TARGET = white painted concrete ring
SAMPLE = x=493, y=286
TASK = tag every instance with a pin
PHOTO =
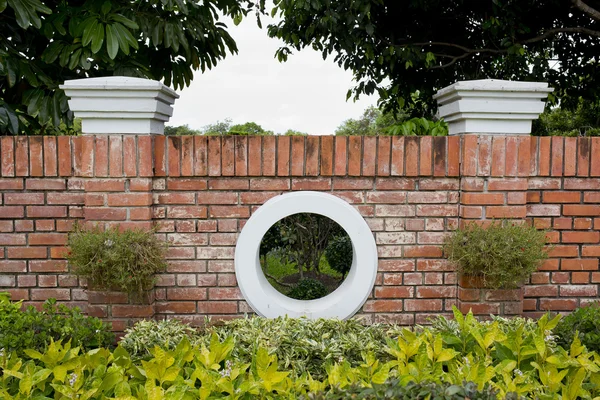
x=343, y=302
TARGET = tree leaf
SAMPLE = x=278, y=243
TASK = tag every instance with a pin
x=97, y=38
x=112, y=43
x=89, y=29
x=21, y=13
x=125, y=21
x=3, y=4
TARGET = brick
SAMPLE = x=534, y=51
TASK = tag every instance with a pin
x=195, y=294
x=591, y=197
x=176, y=198
x=396, y=265
x=180, y=307
x=187, y=212
x=394, y=210
x=27, y=252
x=45, y=294
x=7, y=281
x=468, y=184
x=217, y=198
x=436, y=292
x=45, y=184
x=540, y=291
x=105, y=214
x=188, y=239
x=580, y=237
x=386, y=197
x=581, y=210
x=229, y=212
x=223, y=239
x=383, y=306
x=65, y=198
x=434, y=265
x=105, y=185
x=22, y=155
x=268, y=155
x=8, y=156
x=585, y=264
x=12, y=239
x=11, y=212
x=188, y=184
x=257, y=197
x=225, y=294
x=270, y=184
x=8, y=266
x=218, y=307
x=37, y=266
x=53, y=239
x=383, y=155
x=422, y=251
x=397, y=162
x=411, y=146
x=561, y=197
x=24, y=226
x=129, y=199
x=431, y=237
x=481, y=198
x=47, y=281
x=437, y=210
x=583, y=223
x=506, y=212
x=297, y=158
x=581, y=183
x=590, y=251
x=427, y=197
x=395, y=238
x=311, y=166
x=354, y=155
x=215, y=253
x=543, y=210
x=318, y=184
x=558, y=304
x=578, y=290
x=508, y=184
x=186, y=280
x=423, y=305
x=283, y=155
x=227, y=225
x=132, y=311
x=570, y=156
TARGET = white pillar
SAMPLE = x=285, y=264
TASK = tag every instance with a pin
x=491, y=106
x=120, y=105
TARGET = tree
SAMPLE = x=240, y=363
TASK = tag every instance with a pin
x=44, y=42
x=181, y=130
x=398, y=47
x=249, y=128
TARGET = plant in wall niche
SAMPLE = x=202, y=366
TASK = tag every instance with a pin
x=504, y=254
x=112, y=260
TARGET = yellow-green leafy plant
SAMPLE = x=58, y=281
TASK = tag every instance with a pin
x=113, y=260
x=503, y=254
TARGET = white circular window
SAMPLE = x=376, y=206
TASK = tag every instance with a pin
x=342, y=303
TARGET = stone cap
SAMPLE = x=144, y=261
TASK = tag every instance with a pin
x=120, y=104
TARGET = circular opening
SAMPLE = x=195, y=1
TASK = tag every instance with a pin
x=343, y=302
x=306, y=256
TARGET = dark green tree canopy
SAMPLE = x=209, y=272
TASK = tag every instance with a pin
x=398, y=47
x=45, y=42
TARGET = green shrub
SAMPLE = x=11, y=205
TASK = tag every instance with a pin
x=32, y=329
x=144, y=335
x=392, y=389
x=339, y=254
x=515, y=364
x=308, y=289
x=112, y=260
x=504, y=254
x=583, y=323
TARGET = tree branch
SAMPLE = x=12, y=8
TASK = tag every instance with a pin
x=592, y=12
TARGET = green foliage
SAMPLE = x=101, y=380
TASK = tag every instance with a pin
x=181, y=130
x=247, y=365
x=218, y=128
x=112, y=260
x=32, y=329
x=504, y=254
x=44, y=43
x=583, y=323
x=308, y=289
x=375, y=122
x=339, y=254
x=584, y=120
x=392, y=389
x=441, y=42
x=292, y=132
x=249, y=128
x=140, y=339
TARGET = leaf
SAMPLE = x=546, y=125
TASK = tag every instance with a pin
x=88, y=30
x=106, y=6
x=2, y=5
x=112, y=43
x=97, y=38
x=21, y=13
x=125, y=21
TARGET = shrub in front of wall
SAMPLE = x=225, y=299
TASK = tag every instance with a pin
x=144, y=335
x=504, y=254
x=33, y=329
x=308, y=289
x=111, y=260
x=583, y=323
x=393, y=390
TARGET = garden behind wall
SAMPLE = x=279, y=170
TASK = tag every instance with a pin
x=199, y=191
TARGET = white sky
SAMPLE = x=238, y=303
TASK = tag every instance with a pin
x=305, y=93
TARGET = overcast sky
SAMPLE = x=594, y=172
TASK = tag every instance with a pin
x=305, y=93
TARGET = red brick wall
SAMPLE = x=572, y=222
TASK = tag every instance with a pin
x=199, y=191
